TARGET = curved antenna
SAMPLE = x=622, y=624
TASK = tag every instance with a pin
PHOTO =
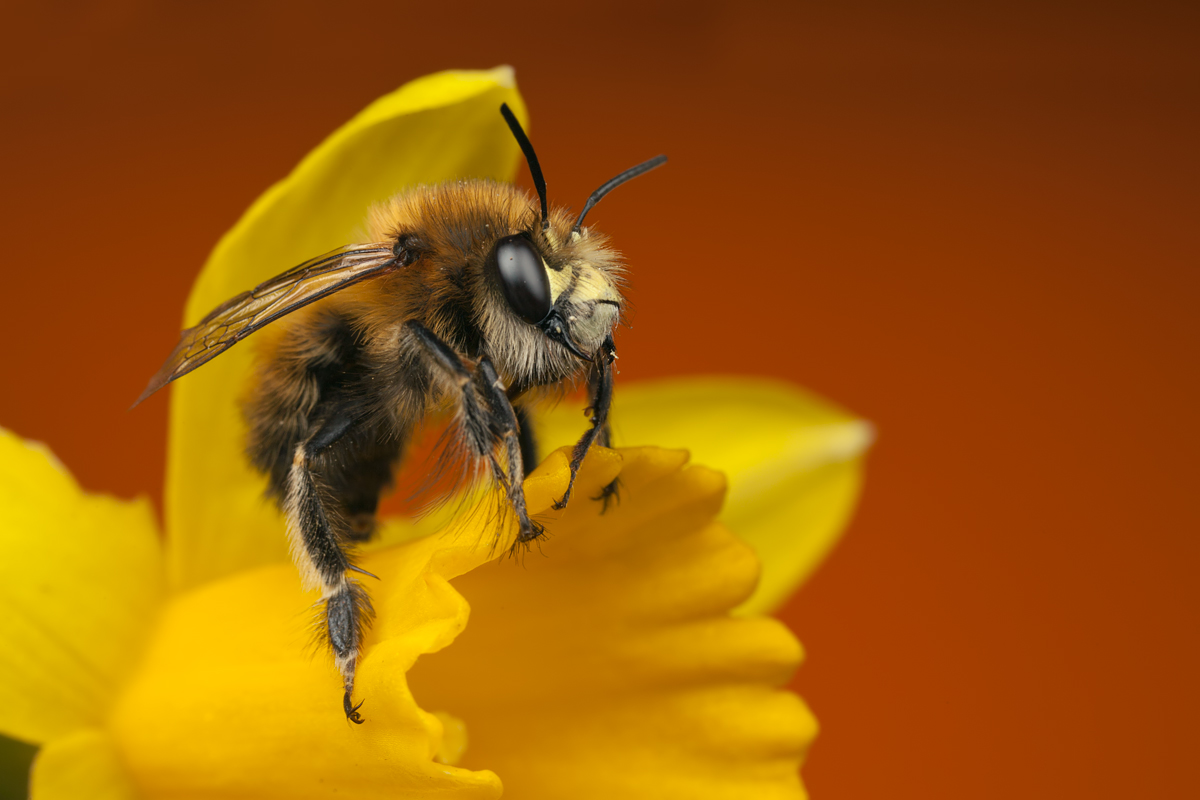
x=535, y=169
x=628, y=174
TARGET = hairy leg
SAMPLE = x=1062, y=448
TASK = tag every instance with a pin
x=529, y=446
x=601, y=384
x=505, y=426
x=487, y=421
x=318, y=530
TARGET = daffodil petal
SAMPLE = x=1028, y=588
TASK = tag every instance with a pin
x=234, y=700
x=84, y=764
x=610, y=666
x=794, y=462
x=606, y=664
x=439, y=128
x=80, y=579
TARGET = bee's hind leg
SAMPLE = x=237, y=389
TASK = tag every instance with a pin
x=489, y=425
x=316, y=529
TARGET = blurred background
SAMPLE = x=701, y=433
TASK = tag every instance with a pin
x=973, y=224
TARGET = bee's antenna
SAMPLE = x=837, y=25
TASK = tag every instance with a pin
x=535, y=169
x=628, y=174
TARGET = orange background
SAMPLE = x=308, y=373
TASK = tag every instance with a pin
x=977, y=228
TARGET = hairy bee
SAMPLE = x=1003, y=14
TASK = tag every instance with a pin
x=469, y=294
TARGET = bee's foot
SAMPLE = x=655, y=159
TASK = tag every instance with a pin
x=610, y=494
x=535, y=531
x=352, y=711
x=529, y=534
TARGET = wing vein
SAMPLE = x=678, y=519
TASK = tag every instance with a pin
x=240, y=316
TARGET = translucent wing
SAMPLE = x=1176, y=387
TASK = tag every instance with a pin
x=241, y=316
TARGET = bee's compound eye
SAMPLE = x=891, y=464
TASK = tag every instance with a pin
x=522, y=277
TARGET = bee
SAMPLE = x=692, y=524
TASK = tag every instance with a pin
x=468, y=295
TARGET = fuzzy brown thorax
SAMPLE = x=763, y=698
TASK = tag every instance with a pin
x=452, y=229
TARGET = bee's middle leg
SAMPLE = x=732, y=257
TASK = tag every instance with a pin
x=529, y=444
x=488, y=426
x=507, y=429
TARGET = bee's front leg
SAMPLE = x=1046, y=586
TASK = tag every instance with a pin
x=601, y=390
x=488, y=426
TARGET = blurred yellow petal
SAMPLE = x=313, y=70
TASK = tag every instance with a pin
x=794, y=461
x=82, y=765
x=442, y=127
x=80, y=580
x=606, y=664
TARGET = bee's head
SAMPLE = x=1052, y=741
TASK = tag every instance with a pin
x=573, y=300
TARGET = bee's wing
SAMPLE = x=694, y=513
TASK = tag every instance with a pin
x=241, y=316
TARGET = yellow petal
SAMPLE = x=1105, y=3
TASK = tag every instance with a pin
x=610, y=665
x=84, y=764
x=794, y=462
x=439, y=128
x=605, y=664
x=234, y=700
x=80, y=582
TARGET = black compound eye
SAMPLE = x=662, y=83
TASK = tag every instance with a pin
x=522, y=277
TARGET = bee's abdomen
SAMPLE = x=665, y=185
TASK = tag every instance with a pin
x=312, y=384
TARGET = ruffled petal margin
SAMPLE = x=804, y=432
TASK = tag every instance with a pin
x=794, y=462
x=606, y=664
x=438, y=128
x=609, y=667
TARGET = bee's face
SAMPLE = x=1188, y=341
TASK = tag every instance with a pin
x=586, y=298
x=569, y=296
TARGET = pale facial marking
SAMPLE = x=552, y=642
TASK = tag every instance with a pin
x=559, y=281
x=590, y=284
x=589, y=319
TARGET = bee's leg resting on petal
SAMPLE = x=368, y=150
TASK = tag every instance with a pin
x=600, y=382
x=352, y=710
x=346, y=612
x=609, y=495
x=488, y=423
x=316, y=529
x=506, y=432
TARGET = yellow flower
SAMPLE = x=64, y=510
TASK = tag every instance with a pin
x=180, y=667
